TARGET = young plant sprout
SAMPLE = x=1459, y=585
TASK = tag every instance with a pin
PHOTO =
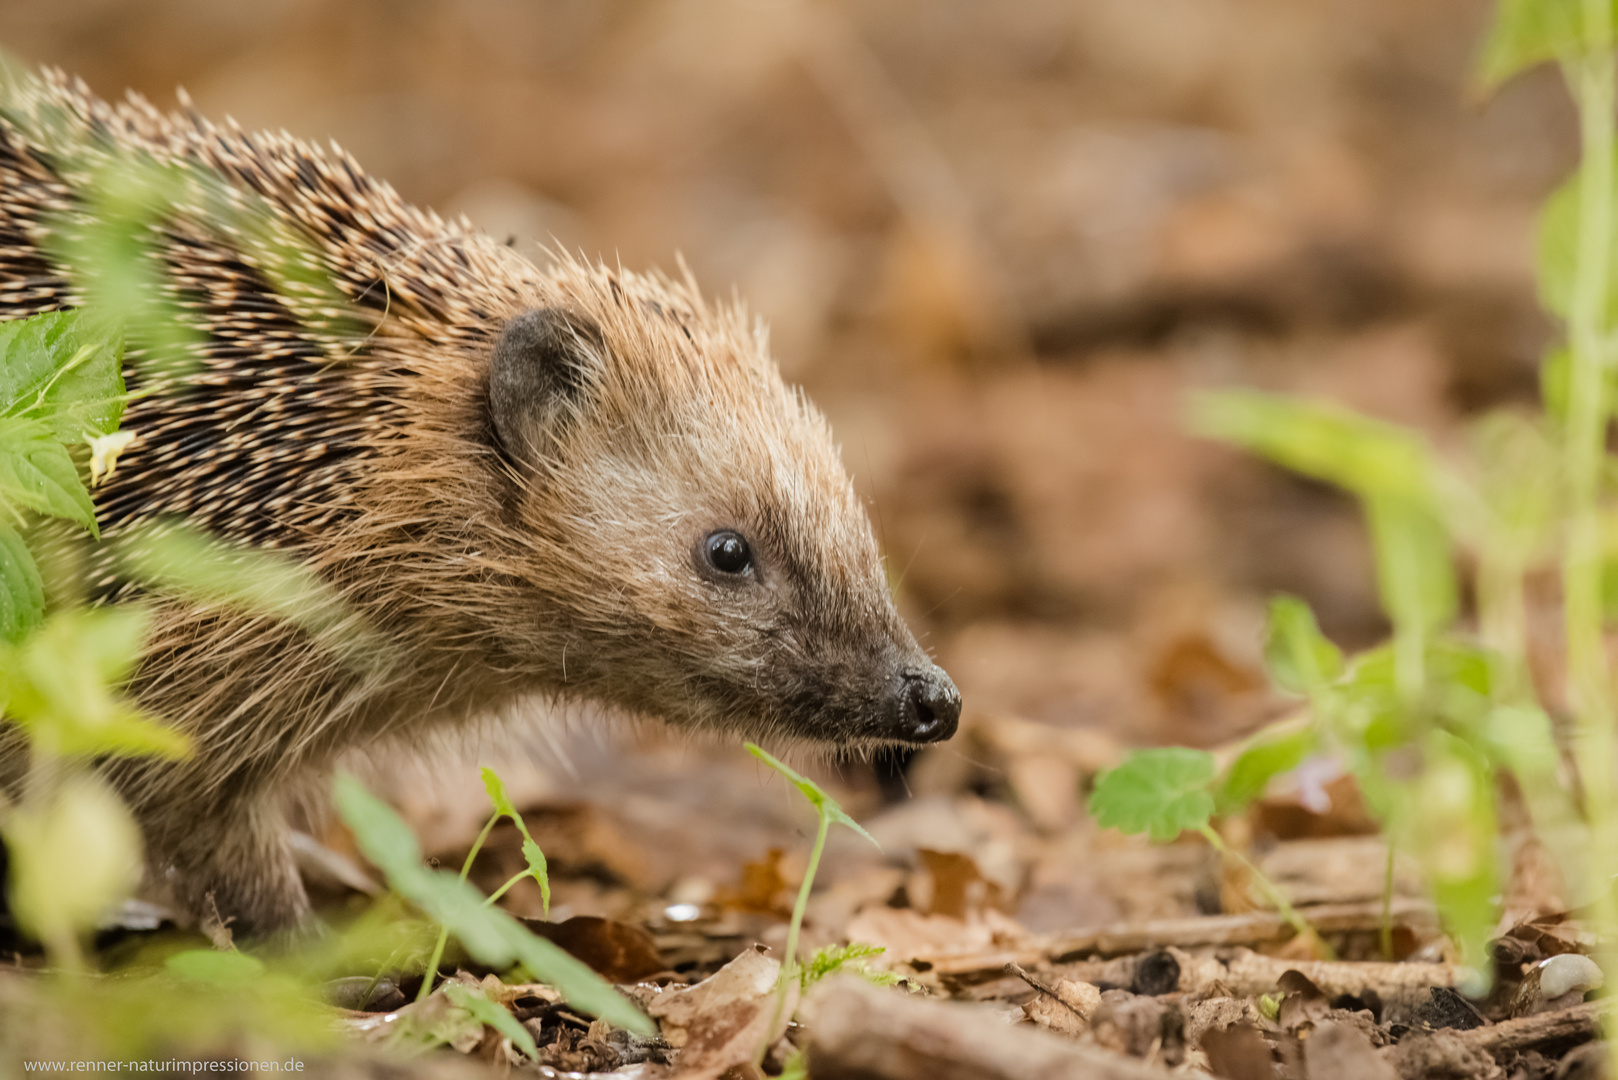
x=489, y=934
x=827, y=813
x=536, y=866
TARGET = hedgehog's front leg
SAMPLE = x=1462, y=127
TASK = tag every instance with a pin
x=228, y=852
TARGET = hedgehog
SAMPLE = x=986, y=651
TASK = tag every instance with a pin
x=572, y=483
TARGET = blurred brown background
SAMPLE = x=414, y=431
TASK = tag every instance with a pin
x=998, y=242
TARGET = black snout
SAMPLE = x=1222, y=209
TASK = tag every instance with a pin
x=929, y=706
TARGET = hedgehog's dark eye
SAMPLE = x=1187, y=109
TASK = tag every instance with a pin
x=728, y=553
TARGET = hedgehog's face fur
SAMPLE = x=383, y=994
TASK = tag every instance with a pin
x=693, y=544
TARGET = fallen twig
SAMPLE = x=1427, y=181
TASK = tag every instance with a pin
x=866, y=1031
x=1251, y=928
x=1575, y=1024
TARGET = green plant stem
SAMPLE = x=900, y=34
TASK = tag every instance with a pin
x=1592, y=81
x=1503, y=619
x=443, y=931
x=789, y=961
x=502, y=890
x=1283, y=906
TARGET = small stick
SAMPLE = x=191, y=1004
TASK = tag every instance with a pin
x=1576, y=1024
x=1044, y=988
x=1119, y=939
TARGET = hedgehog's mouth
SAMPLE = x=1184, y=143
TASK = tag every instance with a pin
x=914, y=705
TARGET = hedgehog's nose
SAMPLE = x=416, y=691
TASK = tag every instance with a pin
x=929, y=705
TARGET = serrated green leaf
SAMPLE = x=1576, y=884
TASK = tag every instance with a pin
x=1159, y=792
x=229, y=968
x=1298, y=656
x=830, y=959
x=495, y=1015
x=56, y=370
x=1266, y=756
x=501, y=801
x=1529, y=32
x=497, y=794
x=538, y=870
x=36, y=472
x=823, y=803
x=22, y=592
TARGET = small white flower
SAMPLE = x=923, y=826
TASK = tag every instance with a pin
x=104, y=451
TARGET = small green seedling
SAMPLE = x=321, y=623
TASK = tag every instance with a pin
x=1165, y=792
x=831, y=959
x=489, y=934
x=828, y=813
x=503, y=807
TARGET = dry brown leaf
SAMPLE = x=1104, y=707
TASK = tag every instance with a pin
x=1069, y=1013
x=1339, y=1049
x=723, y=1020
x=1238, y=1052
x=763, y=890
x=906, y=933
x=618, y=952
x=958, y=887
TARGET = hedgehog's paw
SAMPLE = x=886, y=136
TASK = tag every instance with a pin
x=232, y=871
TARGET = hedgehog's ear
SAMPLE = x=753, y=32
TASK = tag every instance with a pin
x=542, y=369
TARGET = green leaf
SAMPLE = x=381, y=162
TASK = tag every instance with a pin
x=71, y=857
x=580, y=986
x=1560, y=230
x=180, y=558
x=497, y=795
x=60, y=687
x=1555, y=375
x=212, y=966
x=55, y=369
x=1518, y=739
x=538, y=871
x=493, y=1014
x=381, y=835
x=1158, y=792
x=535, y=857
x=1322, y=440
x=1415, y=574
x=1266, y=756
x=1390, y=468
x=22, y=593
x=36, y=472
x=1299, y=657
x=830, y=959
x=488, y=934
x=1529, y=32
x=1444, y=815
x=823, y=803
x=118, y=267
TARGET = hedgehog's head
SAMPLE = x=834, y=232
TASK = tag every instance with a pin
x=694, y=545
